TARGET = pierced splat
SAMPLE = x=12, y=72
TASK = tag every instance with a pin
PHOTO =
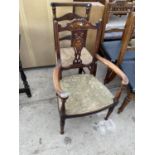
x=78, y=42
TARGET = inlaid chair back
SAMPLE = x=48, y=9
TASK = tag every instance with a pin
x=118, y=8
x=79, y=56
x=65, y=37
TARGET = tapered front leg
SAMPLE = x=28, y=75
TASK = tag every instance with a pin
x=109, y=112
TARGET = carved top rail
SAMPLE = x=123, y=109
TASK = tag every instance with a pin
x=77, y=24
x=70, y=16
x=71, y=4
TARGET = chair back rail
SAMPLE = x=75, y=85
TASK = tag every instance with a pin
x=71, y=16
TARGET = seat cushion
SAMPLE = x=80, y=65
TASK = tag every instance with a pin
x=128, y=68
x=87, y=94
x=68, y=55
x=112, y=49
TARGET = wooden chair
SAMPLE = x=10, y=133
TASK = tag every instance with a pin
x=118, y=51
x=119, y=9
x=81, y=94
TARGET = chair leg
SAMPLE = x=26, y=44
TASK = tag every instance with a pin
x=28, y=92
x=109, y=112
x=109, y=76
x=125, y=102
x=26, y=88
x=94, y=69
x=62, y=125
x=80, y=70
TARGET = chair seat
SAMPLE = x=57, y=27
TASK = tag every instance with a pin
x=68, y=56
x=128, y=68
x=112, y=49
x=87, y=94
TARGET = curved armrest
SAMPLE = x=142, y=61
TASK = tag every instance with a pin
x=56, y=82
x=113, y=67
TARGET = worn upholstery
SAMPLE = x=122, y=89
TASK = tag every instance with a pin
x=87, y=94
x=112, y=49
x=128, y=68
x=68, y=55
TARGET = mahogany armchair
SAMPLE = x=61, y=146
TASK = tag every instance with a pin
x=74, y=93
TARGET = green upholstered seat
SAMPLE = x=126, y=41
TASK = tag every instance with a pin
x=86, y=94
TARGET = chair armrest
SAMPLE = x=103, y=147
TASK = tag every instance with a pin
x=113, y=67
x=56, y=82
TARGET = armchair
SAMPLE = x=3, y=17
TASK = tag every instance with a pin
x=74, y=92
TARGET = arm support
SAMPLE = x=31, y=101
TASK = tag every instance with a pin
x=114, y=68
x=56, y=82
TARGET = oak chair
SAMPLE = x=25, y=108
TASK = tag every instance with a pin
x=118, y=51
x=81, y=94
x=115, y=8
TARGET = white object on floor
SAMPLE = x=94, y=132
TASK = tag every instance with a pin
x=104, y=126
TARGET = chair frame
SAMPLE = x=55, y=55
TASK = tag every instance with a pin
x=79, y=27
